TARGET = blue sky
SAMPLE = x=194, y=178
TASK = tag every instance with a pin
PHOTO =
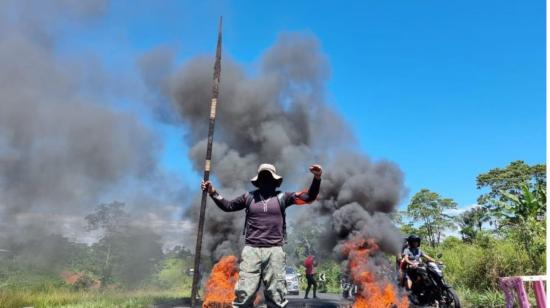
x=446, y=89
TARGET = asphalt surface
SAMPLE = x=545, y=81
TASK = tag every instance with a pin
x=323, y=300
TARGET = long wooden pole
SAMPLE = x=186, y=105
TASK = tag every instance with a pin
x=207, y=165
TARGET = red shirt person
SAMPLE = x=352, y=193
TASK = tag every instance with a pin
x=309, y=264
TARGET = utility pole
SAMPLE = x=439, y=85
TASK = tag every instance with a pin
x=207, y=165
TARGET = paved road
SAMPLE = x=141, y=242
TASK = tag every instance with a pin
x=327, y=300
x=324, y=300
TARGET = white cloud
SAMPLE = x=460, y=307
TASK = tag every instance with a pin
x=461, y=210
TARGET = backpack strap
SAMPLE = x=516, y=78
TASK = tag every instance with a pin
x=282, y=204
x=249, y=200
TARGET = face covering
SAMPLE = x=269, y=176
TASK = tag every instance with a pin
x=266, y=183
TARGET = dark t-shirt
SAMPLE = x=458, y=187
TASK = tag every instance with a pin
x=265, y=221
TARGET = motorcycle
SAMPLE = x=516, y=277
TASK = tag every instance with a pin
x=429, y=286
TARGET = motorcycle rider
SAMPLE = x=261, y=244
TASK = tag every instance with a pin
x=400, y=263
x=412, y=256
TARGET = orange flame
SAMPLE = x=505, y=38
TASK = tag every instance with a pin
x=373, y=291
x=220, y=288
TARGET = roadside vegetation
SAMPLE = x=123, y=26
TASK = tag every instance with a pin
x=125, y=268
x=504, y=235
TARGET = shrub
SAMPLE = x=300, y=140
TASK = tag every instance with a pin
x=477, y=266
x=486, y=299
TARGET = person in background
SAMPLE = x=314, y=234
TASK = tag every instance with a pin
x=309, y=264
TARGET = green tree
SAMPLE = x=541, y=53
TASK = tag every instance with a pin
x=405, y=226
x=307, y=238
x=471, y=222
x=427, y=209
x=509, y=180
x=523, y=218
x=107, y=218
x=126, y=252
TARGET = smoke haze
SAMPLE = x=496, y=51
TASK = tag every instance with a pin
x=280, y=115
x=63, y=152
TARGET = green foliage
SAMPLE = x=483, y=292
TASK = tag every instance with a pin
x=25, y=284
x=173, y=273
x=129, y=258
x=84, y=282
x=332, y=271
x=304, y=239
x=427, y=209
x=510, y=180
x=332, y=283
x=14, y=277
x=477, y=266
x=523, y=219
x=126, y=254
x=486, y=299
x=516, y=206
x=88, y=299
x=108, y=217
x=471, y=222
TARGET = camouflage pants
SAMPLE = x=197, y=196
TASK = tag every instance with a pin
x=265, y=265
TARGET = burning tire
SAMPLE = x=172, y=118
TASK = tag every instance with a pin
x=349, y=291
x=345, y=294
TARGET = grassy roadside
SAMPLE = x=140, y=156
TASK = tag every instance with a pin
x=486, y=299
x=474, y=299
x=145, y=298
x=87, y=299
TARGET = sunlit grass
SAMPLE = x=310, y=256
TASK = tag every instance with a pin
x=87, y=299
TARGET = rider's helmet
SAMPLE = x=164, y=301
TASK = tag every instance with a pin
x=413, y=238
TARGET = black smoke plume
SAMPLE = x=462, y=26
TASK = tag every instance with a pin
x=280, y=115
x=64, y=151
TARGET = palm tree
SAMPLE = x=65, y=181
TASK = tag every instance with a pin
x=471, y=222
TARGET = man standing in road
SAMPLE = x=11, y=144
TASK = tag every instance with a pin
x=263, y=258
x=309, y=264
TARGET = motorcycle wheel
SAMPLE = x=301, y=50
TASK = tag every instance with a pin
x=452, y=298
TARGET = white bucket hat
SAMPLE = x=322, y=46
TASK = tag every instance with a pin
x=271, y=169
